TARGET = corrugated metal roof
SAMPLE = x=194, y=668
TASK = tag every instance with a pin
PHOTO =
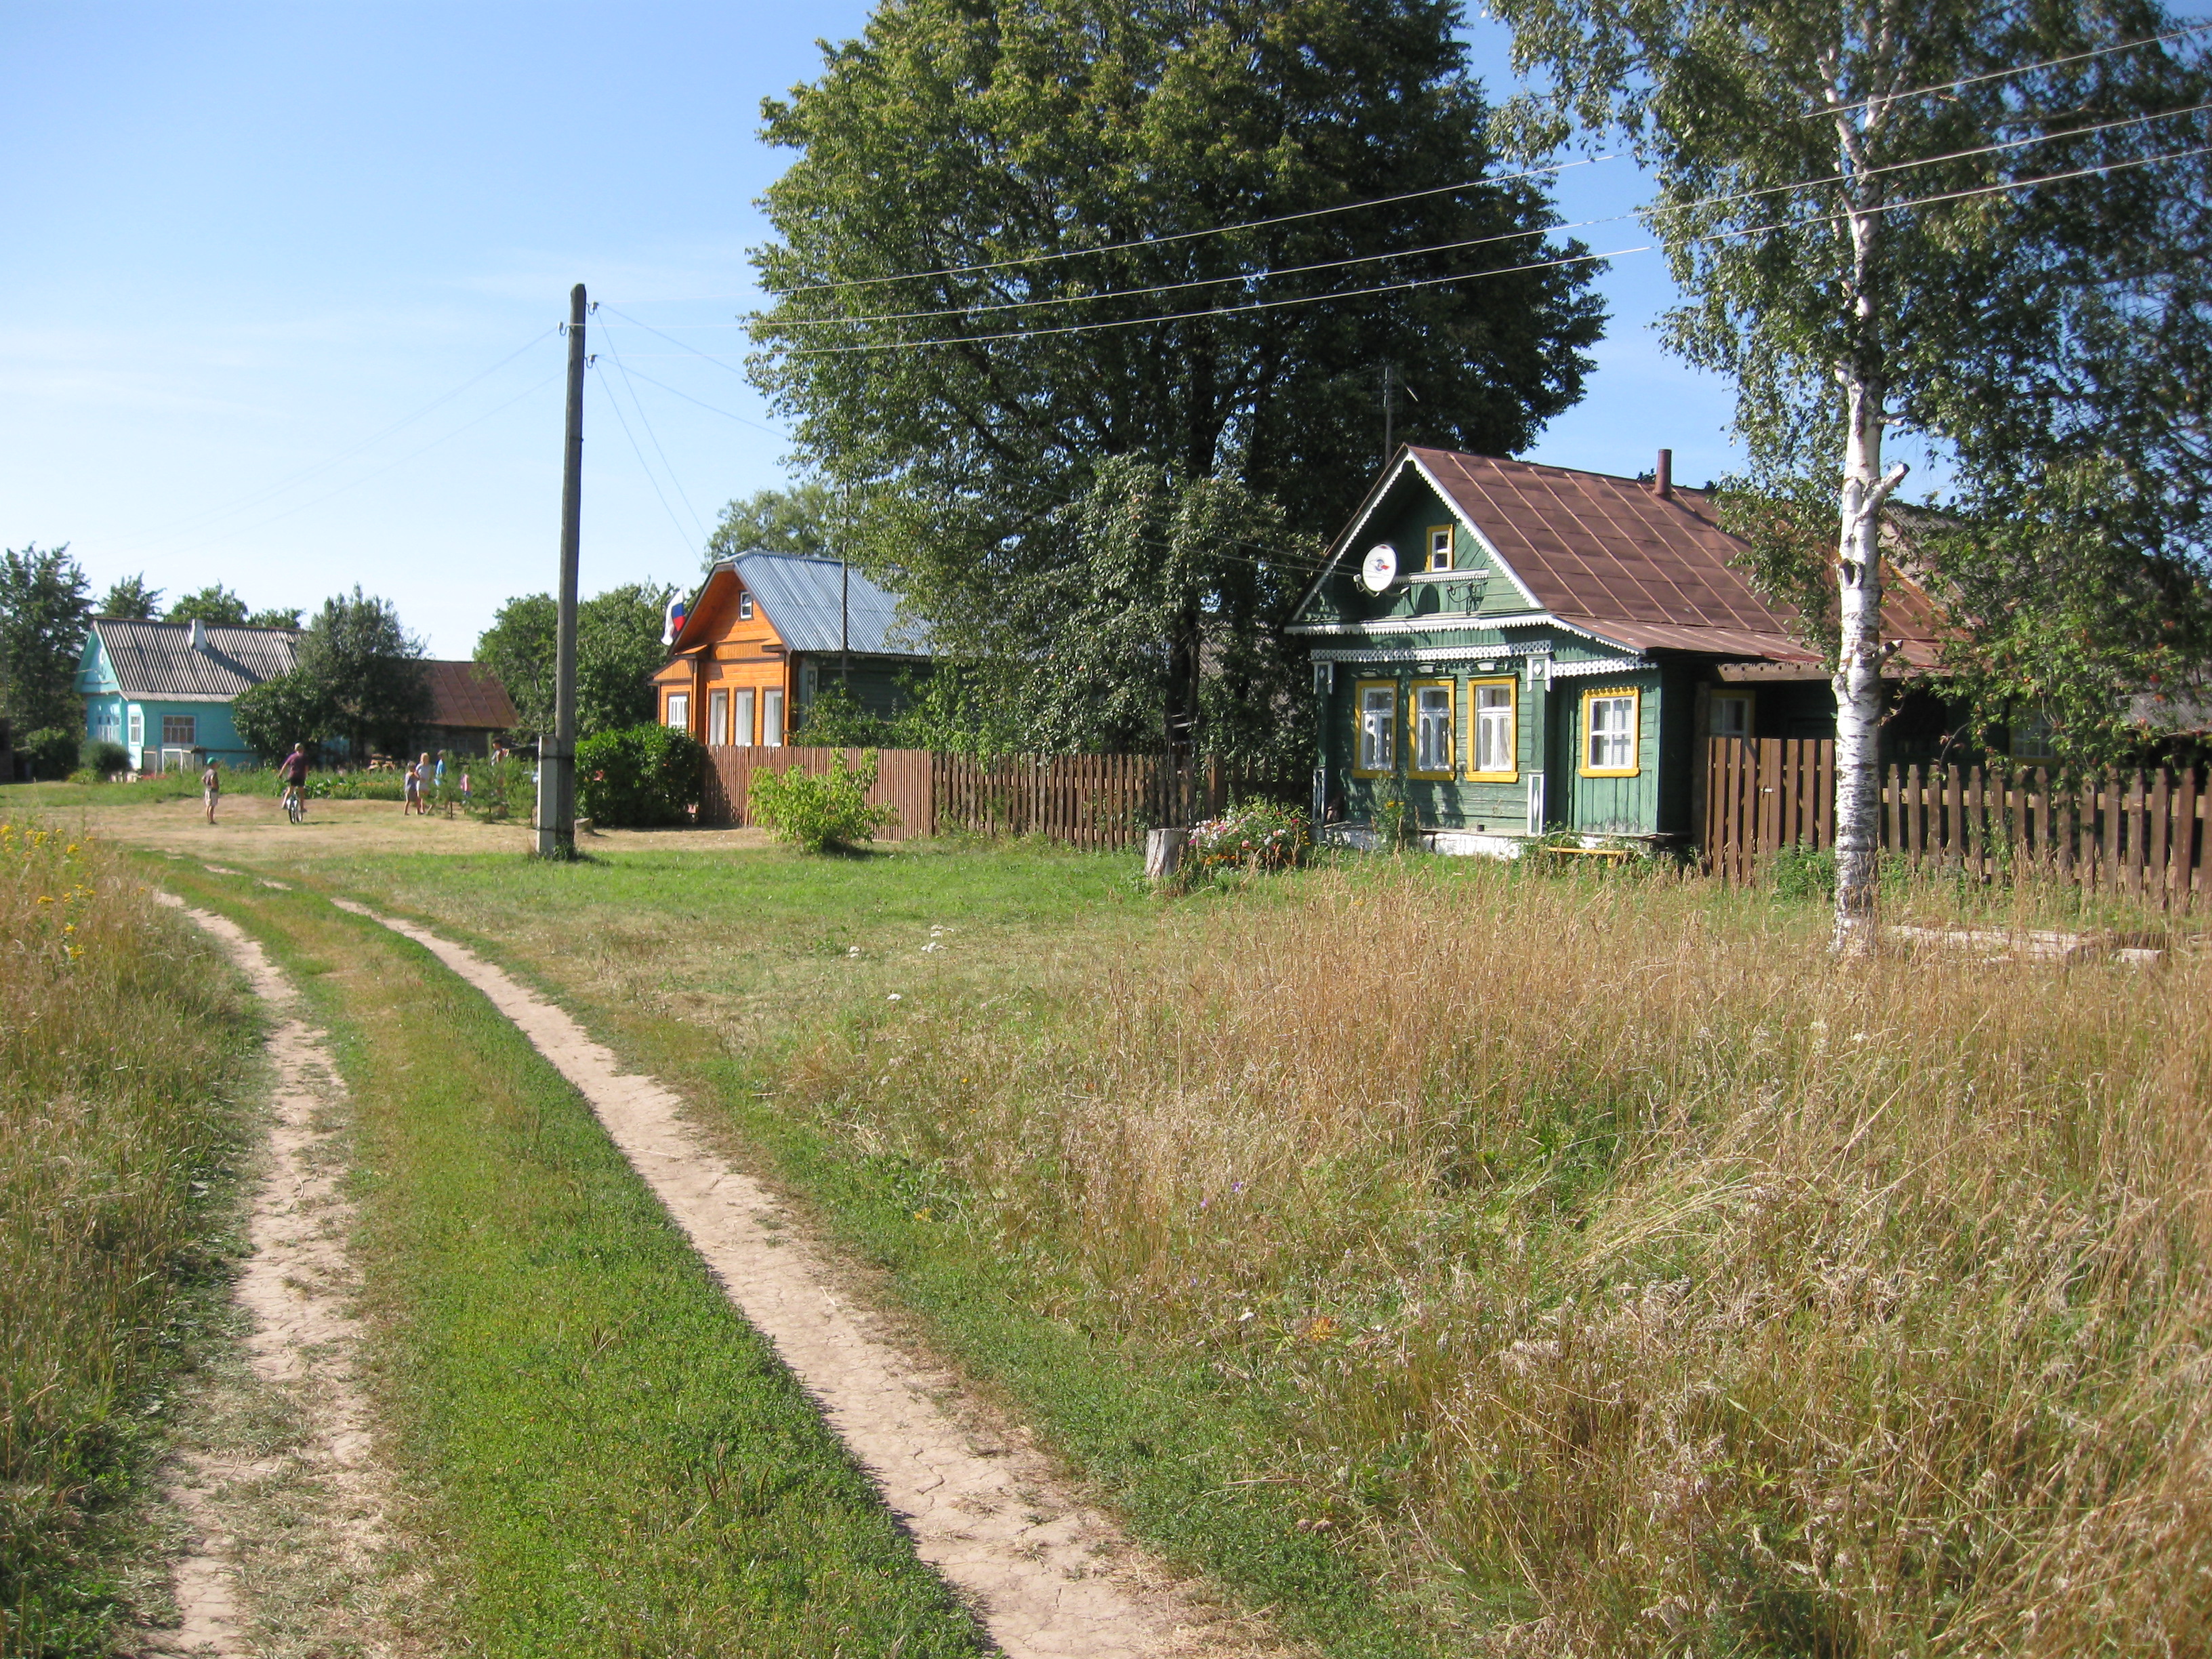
x=801, y=596
x=156, y=659
x=1613, y=555
x=468, y=695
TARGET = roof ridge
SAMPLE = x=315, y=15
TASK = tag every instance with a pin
x=1555, y=467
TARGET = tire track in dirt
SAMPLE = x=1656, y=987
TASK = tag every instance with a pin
x=295, y=1286
x=1052, y=1577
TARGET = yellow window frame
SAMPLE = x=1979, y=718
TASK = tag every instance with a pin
x=1413, y=690
x=1450, y=549
x=1512, y=773
x=1635, y=766
x=1359, y=691
x=1750, y=701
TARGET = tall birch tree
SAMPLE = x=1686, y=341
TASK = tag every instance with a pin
x=1945, y=217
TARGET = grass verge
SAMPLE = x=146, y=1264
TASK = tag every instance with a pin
x=1459, y=1260
x=126, y=1051
x=601, y=1457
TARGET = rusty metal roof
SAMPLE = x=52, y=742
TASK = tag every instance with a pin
x=1589, y=544
x=469, y=695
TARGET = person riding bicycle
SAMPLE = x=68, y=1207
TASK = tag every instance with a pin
x=294, y=770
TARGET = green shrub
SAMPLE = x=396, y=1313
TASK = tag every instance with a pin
x=352, y=786
x=818, y=812
x=501, y=791
x=51, y=752
x=102, y=757
x=1397, y=826
x=639, y=777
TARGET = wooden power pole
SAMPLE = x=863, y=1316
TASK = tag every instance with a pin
x=557, y=760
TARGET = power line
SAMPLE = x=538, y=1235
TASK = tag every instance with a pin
x=289, y=512
x=686, y=397
x=1495, y=270
x=681, y=535
x=1477, y=241
x=1211, y=230
x=1834, y=110
x=192, y=523
x=646, y=423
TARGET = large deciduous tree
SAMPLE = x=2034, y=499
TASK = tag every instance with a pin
x=365, y=671
x=619, y=646
x=215, y=604
x=1847, y=195
x=130, y=599
x=1039, y=164
x=44, y=605
x=795, y=520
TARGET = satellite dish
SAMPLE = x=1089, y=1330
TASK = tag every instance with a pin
x=1379, y=568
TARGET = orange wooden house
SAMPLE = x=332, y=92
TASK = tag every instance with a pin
x=767, y=632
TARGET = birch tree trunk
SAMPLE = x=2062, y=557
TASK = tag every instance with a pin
x=1860, y=651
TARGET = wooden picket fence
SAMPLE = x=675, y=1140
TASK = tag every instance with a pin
x=2138, y=834
x=1085, y=801
x=902, y=782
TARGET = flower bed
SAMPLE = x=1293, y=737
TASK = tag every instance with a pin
x=1256, y=836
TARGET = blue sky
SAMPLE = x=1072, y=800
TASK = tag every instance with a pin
x=245, y=243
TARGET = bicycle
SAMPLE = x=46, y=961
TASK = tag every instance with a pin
x=296, y=805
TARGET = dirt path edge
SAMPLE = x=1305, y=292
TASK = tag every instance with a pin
x=1052, y=1578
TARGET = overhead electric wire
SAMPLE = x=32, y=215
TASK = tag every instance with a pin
x=1443, y=190
x=1210, y=230
x=681, y=535
x=646, y=423
x=278, y=518
x=192, y=523
x=1832, y=110
x=1477, y=241
x=686, y=395
x=1496, y=270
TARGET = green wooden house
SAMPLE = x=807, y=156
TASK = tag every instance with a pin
x=1517, y=649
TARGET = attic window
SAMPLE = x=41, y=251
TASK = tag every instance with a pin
x=745, y=605
x=1440, y=547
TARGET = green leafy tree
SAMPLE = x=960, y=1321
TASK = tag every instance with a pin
x=278, y=617
x=366, y=672
x=130, y=599
x=795, y=520
x=517, y=649
x=278, y=713
x=618, y=649
x=1847, y=197
x=45, y=607
x=215, y=604
x=1043, y=162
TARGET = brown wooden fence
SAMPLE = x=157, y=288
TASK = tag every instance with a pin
x=2140, y=834
x=1087, y=800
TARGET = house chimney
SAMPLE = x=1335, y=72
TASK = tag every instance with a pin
x=199, y=635
x=1663, y=480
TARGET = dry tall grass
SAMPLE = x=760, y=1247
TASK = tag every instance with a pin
x=1645, y=1282
x=121, y=1049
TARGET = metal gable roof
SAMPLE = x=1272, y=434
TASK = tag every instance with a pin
x=157, y=660
x=802, y=599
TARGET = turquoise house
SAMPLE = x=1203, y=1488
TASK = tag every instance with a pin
x=164, y=690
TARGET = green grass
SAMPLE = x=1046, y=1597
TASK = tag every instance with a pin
x=1622, y=1275
x=754, y=952
x=127, y=1063
x=601, y=1457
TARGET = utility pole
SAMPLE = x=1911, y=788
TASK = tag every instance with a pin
x=556, y=761
x=845, y=602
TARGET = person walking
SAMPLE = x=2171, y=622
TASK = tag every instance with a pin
x=422, y=784
x=410, y=791
x=211, y=788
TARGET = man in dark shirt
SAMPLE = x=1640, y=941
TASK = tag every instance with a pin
x=294, y=771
